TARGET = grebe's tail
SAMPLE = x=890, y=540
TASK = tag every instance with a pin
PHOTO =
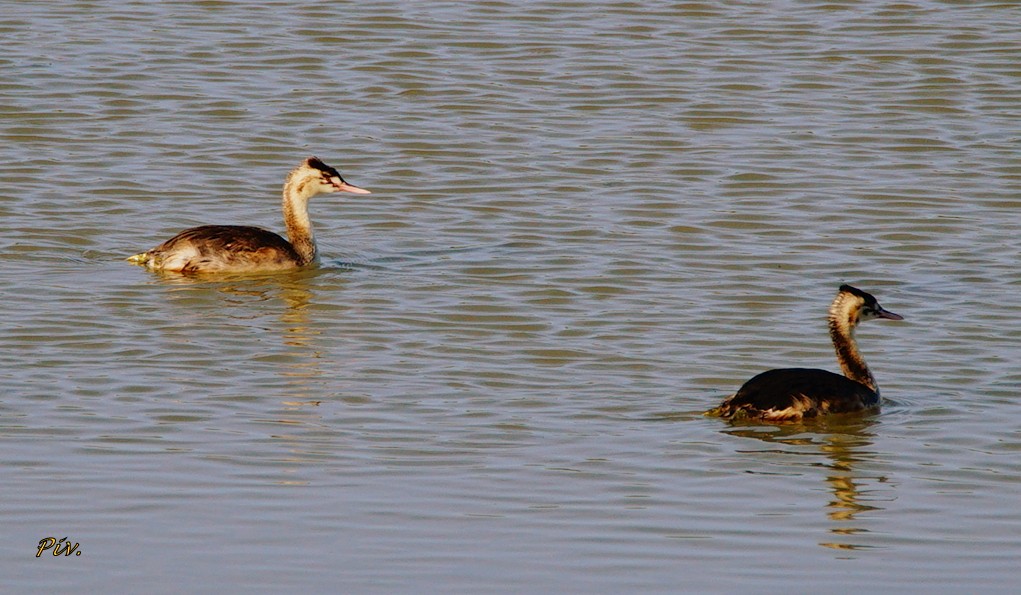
x=725, y=409
x=141, y=259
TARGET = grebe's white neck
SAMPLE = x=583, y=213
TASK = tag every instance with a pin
x=301, y=185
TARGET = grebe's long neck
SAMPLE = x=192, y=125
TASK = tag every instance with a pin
x=297, y=192
x=843, y=318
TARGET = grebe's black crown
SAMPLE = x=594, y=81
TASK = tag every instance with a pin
x=868, y=297
x=317, y=163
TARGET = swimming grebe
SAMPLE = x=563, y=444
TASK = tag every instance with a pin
x=241, y=248
x=792, y=394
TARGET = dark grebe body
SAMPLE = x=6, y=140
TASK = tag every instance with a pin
x=792, y=394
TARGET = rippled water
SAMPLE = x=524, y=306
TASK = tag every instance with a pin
x=589, y=222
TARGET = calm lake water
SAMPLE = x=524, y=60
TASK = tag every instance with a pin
x=590, y=221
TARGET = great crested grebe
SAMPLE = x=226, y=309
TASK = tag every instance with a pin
x=241, y=248
x=791, y=394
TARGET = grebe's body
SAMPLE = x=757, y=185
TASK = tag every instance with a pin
x=793, y=394
x=244, y=249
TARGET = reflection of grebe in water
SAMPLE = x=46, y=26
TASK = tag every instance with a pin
x=792, y=394
x=243, y=249
x=845, y=444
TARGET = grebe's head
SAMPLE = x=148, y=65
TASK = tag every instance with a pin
x=322, y=178
x=853, y=305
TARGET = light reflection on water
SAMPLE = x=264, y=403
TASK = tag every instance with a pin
x=843, y=446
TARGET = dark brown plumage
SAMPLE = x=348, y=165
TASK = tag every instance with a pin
x=792, y=394
x=231, y=246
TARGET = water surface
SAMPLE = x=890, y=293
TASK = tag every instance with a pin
x=589, y=222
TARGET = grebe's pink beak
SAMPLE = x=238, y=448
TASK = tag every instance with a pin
x=343, y=186
x=888, y=314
